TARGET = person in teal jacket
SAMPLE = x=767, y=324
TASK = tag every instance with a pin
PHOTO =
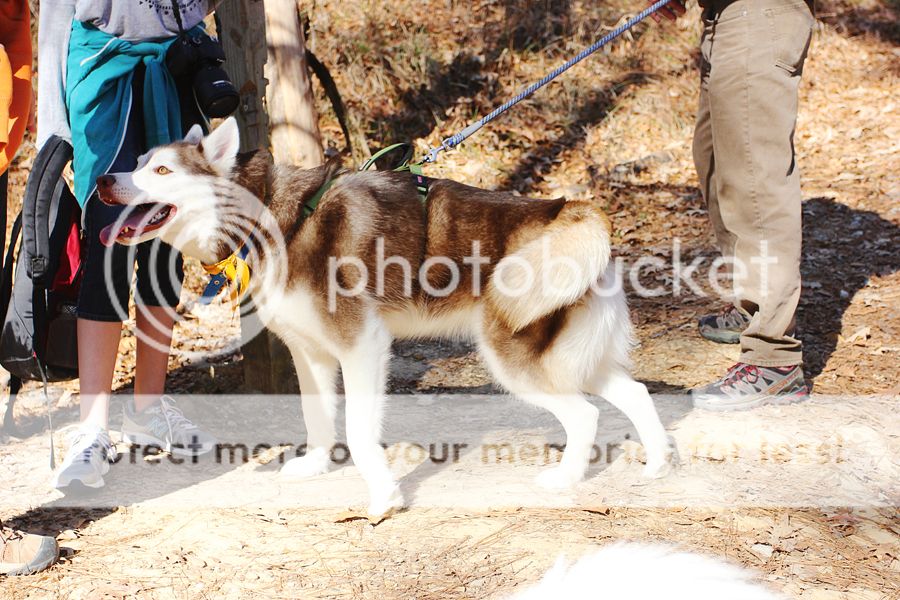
x=104, y=86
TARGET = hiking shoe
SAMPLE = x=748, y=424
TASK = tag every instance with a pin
x=87, y=460
x=748, y=386
x=726, y=326
x=164, y=425
x=25, y=553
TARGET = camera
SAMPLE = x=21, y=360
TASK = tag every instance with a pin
x=200, y=58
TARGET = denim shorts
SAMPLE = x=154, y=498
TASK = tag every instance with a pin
x=107, y=272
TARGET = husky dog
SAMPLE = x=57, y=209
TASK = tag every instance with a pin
x=621, y=571
x=523, y=278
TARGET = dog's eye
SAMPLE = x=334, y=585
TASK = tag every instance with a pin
x=162, y=170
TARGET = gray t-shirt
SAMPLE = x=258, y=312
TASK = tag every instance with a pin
x=130, y=20
x=140, y=19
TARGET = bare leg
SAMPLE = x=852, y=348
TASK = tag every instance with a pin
x=98, y=344
x=154, y=326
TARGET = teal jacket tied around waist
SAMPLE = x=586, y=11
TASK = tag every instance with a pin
x=99, y=77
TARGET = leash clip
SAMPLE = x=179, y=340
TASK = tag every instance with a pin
x=446, y=144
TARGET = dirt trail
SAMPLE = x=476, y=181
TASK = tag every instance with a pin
x=617, y=131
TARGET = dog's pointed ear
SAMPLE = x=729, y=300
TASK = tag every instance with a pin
x=195, y=135
x=221, y=146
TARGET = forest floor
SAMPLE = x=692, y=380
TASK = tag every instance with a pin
x=617, y=130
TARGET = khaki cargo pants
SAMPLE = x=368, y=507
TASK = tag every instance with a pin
x=753, y=53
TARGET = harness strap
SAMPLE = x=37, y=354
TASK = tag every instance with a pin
x=49, y=405
x=234, y=271
x=407, y=156
x=405, y=165
x=310, y=206
x=422, y=182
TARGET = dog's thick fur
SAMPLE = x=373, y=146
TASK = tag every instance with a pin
x=550, y=347
x=646, y=572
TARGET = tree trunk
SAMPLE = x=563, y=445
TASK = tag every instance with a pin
x=267, y=42
x=293, y=122
x=241, y=26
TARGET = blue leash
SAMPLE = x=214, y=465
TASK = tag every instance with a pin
x=456, y=140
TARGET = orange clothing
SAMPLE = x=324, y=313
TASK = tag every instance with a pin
x=15, y=77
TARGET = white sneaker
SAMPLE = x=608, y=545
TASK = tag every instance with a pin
x=87, y=460
x=164, y=426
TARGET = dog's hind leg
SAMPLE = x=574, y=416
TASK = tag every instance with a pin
x=365, y=369
x=577, y=416
x=316, y=372
x=579, y=419
x=615, y=385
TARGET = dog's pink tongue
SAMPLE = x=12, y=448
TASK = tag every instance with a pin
x=109, y=234
x=137, y=220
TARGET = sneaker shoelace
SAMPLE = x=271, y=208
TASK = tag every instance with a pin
x=8, y=534
x=731, y=316
x=741, y=377
x=726, y=310
x=101, y=443
x=175, y=419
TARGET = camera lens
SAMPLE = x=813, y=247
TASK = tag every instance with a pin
x=215, y=93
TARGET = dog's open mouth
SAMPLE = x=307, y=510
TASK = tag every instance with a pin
x=139, y=220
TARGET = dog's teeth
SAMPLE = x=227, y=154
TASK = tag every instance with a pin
x=157, y=217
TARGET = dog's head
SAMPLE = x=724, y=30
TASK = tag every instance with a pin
x=175, y=193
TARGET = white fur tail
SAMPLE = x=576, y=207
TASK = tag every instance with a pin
x=554, y=270
x=644, y=572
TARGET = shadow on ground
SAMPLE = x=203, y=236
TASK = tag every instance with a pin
x=842, y=249
x=880, y=19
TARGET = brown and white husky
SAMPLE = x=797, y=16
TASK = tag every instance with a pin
x=528, y=280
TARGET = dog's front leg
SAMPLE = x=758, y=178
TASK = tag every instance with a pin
x=365, y=377
x=316, y=372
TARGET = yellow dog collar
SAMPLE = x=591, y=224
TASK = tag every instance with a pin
x=232, y=271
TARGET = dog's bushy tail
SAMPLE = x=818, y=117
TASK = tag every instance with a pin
x=553, y=270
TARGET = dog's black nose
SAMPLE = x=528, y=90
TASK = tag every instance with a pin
x=106, y=181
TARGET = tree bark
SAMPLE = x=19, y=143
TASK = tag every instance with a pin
x=266, y=41
x=293, y=122
x=241, y=26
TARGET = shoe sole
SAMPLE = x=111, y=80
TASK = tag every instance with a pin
x=720, y=336
x=48, y=554
x=142, y=440
x=784, y=400
x=77, y=487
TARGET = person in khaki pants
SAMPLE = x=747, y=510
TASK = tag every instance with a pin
x=752, y=58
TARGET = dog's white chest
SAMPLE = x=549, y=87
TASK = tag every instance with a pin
x=294, y=316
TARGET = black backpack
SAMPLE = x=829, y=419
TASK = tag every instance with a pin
x=37, y=299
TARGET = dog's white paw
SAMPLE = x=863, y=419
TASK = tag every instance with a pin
x=558, y=478
x=661, y=467
x=384, y=504
x=657, y=469
x=316, y=462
